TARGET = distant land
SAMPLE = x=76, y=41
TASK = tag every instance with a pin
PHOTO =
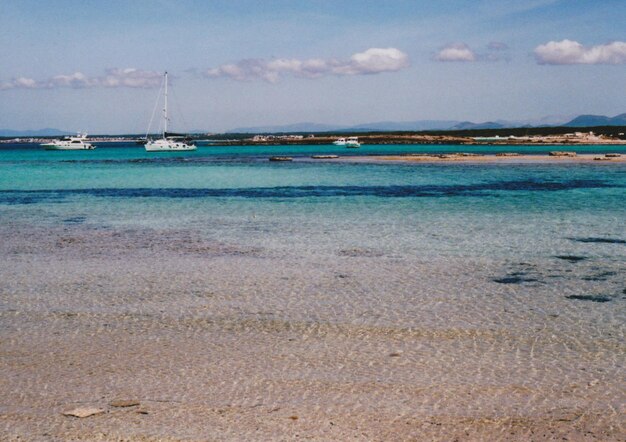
x=367, y=127
x=597, y=120
x=425, y=125
x=383, y=126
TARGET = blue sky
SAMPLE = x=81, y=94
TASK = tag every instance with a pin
x=94, y=65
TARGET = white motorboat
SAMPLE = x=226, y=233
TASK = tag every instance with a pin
x=353, y=142
x=168, y=142
x=340, y=142
x=69, y=143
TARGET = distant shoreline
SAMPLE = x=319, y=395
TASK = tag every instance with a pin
x=566, y=136
x=434, y=141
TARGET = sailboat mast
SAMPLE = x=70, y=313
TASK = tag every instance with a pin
x=165, y=107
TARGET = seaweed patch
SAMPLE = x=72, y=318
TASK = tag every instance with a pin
x=599, y=240
x=514, y=279
x=571, y=258
x=17, y=196
x=592, y=298
x=602, y=276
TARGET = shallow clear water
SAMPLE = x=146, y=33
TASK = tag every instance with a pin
x=525, y=261
x=230, y=185
x=503, y=213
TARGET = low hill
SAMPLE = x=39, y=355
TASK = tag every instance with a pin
x=597, y=120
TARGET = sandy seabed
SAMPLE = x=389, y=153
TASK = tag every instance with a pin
x=220, y=341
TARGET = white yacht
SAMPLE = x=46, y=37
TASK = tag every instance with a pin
x=168, y=142
x=340, y=142
x=353, y=142
x=69, y=143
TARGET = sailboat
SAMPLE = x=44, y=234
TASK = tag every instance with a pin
x=169, y=142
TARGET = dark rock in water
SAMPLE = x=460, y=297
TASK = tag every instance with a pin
x=281, y=159
x=593, y=298
x=513, y=280
x=571, y=258
x=557, y=153
x=599, y=277
x=599, y=240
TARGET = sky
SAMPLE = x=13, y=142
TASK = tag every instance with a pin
x=97, y=66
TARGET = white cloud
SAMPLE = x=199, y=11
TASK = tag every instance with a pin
x=20, y=82
x=372, y=61
x=461, y=52
x=131, y=77
x=113, y=78
x=456, y=52
x=572, y=52
x=77, y=80
x=376, y=60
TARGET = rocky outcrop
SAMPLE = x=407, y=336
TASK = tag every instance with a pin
x=559, y=153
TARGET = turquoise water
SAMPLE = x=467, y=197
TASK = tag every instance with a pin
x=306, y=208
x=479, y=215
x=509, y=276
x=461, y=209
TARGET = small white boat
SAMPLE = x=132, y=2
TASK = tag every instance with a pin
x=353, y=142
x=168, y=142
x=69, y=143
x=340, y=142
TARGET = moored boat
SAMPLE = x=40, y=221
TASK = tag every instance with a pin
x=69, y=143
x=353, y=142
x=169, y=142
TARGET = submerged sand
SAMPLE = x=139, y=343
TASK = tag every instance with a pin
x=219, y=341
x=206, y=379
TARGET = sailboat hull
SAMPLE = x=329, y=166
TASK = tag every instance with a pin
x=168, y=146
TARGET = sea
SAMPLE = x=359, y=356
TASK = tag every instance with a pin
x=516, y=271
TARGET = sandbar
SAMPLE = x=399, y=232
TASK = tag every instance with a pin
x=490, y=158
